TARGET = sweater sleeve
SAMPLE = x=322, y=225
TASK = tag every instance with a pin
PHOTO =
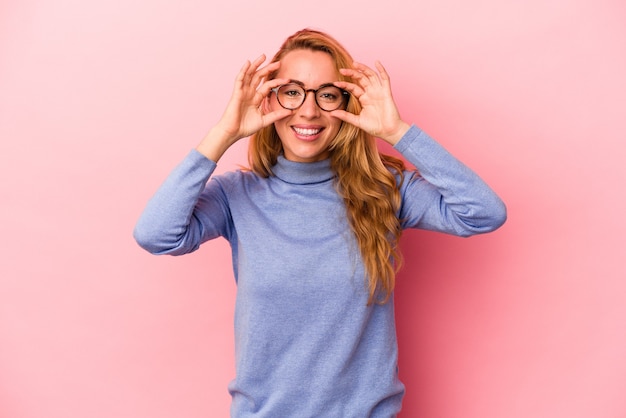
x=444, y=195
x=184, y=213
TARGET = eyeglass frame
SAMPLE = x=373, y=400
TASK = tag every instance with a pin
x=344, y=94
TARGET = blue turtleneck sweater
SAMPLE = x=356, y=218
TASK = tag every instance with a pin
x=307, y=344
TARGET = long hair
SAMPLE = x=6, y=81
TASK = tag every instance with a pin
x=365, y=179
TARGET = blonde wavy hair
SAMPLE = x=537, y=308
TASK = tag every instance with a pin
x=365, y=178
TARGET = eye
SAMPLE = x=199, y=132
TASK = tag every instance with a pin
x=329, y=94
x=291, y=91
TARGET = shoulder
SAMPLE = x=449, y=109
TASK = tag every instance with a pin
x=237, y=179
x=239, y=175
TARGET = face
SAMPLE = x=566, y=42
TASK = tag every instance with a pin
x=307, y=133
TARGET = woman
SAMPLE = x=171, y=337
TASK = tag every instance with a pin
x=314, y=227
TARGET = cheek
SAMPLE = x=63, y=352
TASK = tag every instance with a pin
x=335, y=125
x=281, y=125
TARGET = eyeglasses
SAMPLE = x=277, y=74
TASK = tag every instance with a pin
x=328, y=96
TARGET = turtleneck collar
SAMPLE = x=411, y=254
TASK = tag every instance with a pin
x=302, y=173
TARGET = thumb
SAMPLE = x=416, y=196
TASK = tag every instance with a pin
x=276, y=115
x=345, y=116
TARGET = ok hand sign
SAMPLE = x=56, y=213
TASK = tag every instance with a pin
x=245, y=113
x=379, y=115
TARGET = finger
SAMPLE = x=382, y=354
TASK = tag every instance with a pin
x=384, y=75
x=363, y=68
x=264, y=90
x=272, y=66
x=262, y=73
x=354, y=74
x=371, y=75
x=242, y=72
x=352, y=88
x=382, y=71
x=257, y=62
x=275, y=116
x=240, y=79
x=251, y=68
x=347, y=117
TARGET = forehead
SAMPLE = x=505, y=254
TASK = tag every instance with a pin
x=312, y=68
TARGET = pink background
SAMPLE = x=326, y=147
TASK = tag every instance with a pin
x=99, y=100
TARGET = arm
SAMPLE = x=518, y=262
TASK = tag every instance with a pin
x=184, y=213
x=170, y=223
x=245, y=113
x=446, y=195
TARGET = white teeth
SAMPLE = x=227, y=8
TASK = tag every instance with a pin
x=301, y=131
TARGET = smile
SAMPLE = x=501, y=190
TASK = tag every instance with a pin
x=307, y=131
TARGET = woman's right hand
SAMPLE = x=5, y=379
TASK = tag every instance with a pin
x=244, y=114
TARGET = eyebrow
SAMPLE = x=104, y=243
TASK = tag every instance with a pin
x=298, y=82
x=301, y=84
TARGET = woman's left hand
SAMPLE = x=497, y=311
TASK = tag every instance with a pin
x=379, y=115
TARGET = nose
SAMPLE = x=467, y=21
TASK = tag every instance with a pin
x=309, y=108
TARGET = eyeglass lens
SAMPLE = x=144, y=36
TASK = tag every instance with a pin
x=291, y=96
